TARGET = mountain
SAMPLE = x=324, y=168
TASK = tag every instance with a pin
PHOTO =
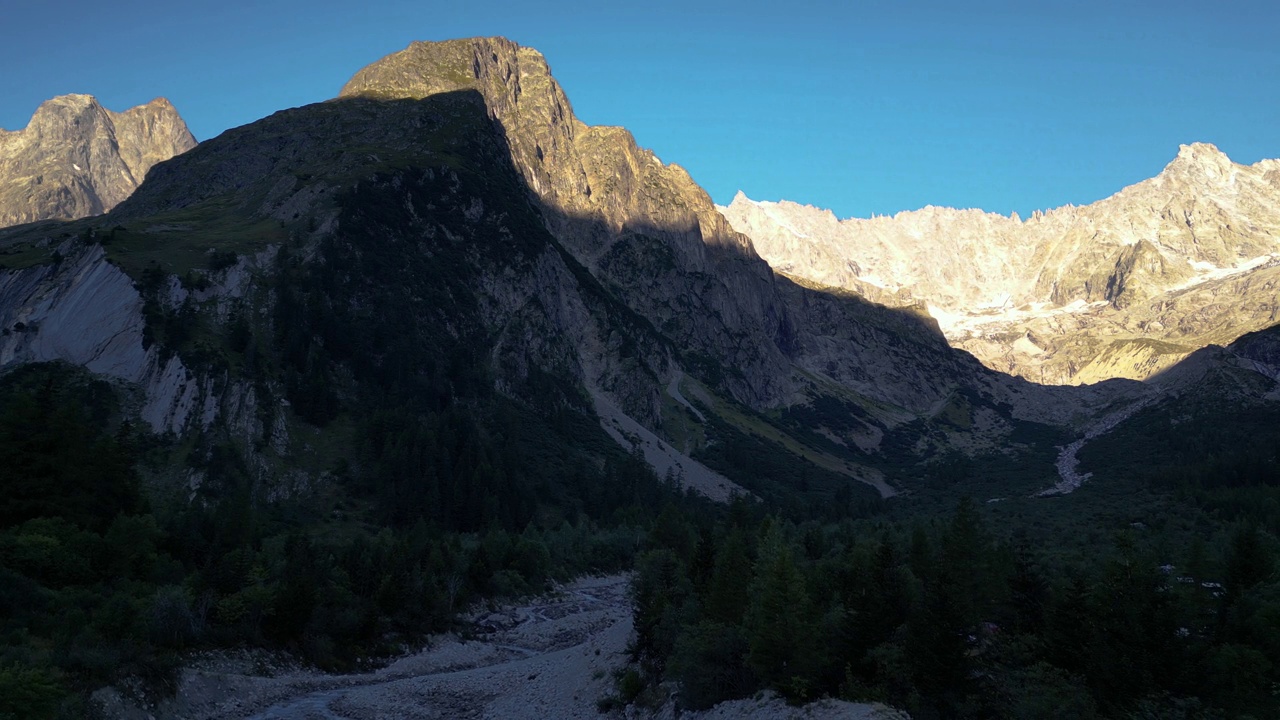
x=447, y=222
x=642, y=227
x=651, y=235
x=327, y=379
x=1124, y=287
x=76, y=158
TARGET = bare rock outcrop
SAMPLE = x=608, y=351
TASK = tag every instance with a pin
x=1124, y=287
x=87, y=312
x=647, y=231
x=76, y=158
x=613, y=204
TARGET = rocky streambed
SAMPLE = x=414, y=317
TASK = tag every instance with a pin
x=551, y=657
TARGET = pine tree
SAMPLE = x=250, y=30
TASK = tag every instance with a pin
x=1248, y=562
x=781, y=634
x=727, y=594
x=658, y=592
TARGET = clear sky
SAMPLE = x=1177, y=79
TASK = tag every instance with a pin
x=861, y=107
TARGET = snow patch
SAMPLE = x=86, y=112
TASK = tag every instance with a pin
x=1026, y=347
x=956, y=325
x=781, y=219
x=1209, y=272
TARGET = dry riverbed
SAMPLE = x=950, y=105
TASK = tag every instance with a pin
x=551, y=657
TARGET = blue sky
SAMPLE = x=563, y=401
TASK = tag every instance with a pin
x=870, y=107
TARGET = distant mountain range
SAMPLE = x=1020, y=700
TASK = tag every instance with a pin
x=76, y=158
x=1124, y=287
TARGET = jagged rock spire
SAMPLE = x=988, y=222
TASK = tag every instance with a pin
x=76, y=158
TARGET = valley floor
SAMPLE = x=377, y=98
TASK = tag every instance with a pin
x=549, y=658
x=552, y=657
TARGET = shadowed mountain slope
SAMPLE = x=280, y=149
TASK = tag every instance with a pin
x=447, y=229
x=624, y=214
x=376, y=359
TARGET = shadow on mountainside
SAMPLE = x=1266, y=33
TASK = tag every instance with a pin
x=718, y=303
x=623, y=307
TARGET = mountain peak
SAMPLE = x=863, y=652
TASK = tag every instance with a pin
x=160, y=103
x=79, y=103
x=428, y=68
x=63, y=106
x=1038, y=298
x=1200, y=151
x=76, y=158
x=1205, y=158
x=518, y=91
x=740, y=199
x=70, y=99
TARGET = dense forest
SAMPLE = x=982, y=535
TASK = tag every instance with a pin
x=961, y=614
x=955, y=615
x=945, y=619
x=123, y=551
x=99, y=583
x=999, y=609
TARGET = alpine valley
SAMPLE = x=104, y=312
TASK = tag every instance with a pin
x=341, y=381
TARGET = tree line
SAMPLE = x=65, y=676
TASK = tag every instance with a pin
x=947, y=620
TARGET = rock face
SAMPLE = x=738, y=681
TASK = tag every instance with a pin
x=86, y=311
x=76, y=159
x=653, y=236
x=449, y=232
x=1124, y=287
x=614, y=205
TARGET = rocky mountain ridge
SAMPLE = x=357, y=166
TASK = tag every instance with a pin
x=383, y=357
x=645, y=228
x=1124, y=287
x=654, y=237
x=76, y=158
x=546, y=248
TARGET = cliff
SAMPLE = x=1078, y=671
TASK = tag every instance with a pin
x=1123, y=287
x=76, y=158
